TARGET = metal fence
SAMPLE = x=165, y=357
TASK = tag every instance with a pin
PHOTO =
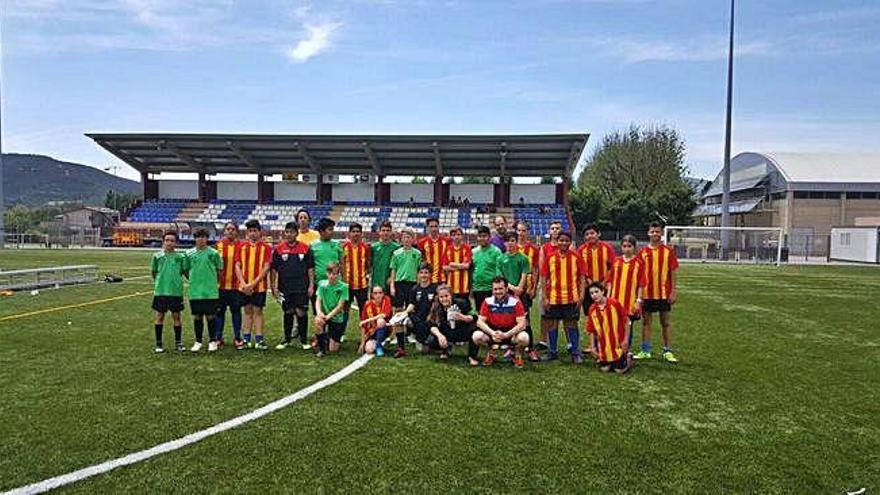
x=83, y=238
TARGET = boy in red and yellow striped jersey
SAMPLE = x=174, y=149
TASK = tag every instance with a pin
x=456, y=261
x=660, y=291
x=563, y=284
x=597, y=256
x=432, y=246
x=230, y=297
x=626, y=281
x=608, y=331
x=547, y=248
x=252, y=269
x=357, y=265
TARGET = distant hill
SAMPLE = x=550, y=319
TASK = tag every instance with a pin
x=34, y=180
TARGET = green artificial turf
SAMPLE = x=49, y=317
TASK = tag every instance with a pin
x=777, y=391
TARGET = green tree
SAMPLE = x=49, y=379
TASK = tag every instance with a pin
x=548, y=179
x=477, y=180
x=419, y=180
x=635, y=177
x=119, y=200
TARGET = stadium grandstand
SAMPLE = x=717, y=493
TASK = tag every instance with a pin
x=346, y=178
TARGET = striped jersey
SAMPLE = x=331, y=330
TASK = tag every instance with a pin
x=357, y=264
x=609, y=325
x=372, y=309
x=253, y=257
x=459, y=281
x=562, y=272
x=625, y=277
x=598, y=257
x=532, y=254
x=660, y=262
x=227, y=250
x=432, y=252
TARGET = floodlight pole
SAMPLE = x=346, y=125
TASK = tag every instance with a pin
x=725, y=172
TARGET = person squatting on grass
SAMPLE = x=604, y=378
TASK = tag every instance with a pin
x=502, y=321
x=374, y=325
x=168, y=267
x=404, y=272
x=205, y=265
x=626, y=282
x=332, y=299
x=230, y=297
x=451, y=321
x=563, y=288
x=418, y=305
x=252, y=269
x=660, y=291
x=292, y=280
x=608, y=331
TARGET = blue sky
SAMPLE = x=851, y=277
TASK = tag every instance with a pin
x=807, y=73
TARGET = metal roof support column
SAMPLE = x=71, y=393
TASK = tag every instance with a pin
x=319, y=189
x=261, y=197
x=438, y=190
x=377, y=190
x=203, y=188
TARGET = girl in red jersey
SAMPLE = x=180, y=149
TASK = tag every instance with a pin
x=608, y=331
x=375, y=313
x=626, y=281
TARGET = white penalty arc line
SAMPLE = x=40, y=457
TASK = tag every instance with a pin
x=79, y=475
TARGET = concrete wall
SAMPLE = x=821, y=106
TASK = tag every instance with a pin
x=477, y=193
x=237, y=190
x=533, y=193
x=421, y=193
x=179, y=189
x=354, y=192
x=292, y=191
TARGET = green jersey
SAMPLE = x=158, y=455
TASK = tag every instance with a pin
x=168, y=270
x=380, y=258
x=487, y=265
x=514, y=267
x=204, y=266
x=405, y=263
x=325, y=252
x=330, y=295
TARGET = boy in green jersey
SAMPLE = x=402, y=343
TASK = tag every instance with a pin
x=381, y=252
x=168, y=268
x=205, y=265
x=404, y=274
x=516, y=268
x=486, y=266
x=332, y=296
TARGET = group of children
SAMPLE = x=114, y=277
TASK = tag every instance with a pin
x=435, y=291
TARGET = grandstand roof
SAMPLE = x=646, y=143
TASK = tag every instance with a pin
x=802, y=171
x=428, y=155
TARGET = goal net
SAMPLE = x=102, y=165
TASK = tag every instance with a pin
x=744, y=244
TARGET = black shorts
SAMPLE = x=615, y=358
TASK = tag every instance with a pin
x=164, y=304
x=401, y=292
x=257, y=299
x=294, y=301
x=229, y=299
x=633, y=318
x=359, y=295
x=526, y=301
x=620, y=364
x=565, y=312
x=421, y=329
x=203, y=307
x=656, y=306
x=335, y=329
x=463, y=332
x=479, y=297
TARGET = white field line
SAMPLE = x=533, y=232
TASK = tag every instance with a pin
x=79, y=475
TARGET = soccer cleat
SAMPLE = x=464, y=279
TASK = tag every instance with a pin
x=473, y=362
x=411, y=338
x=642, y=355
x=319, y=354
x=282, y=345
x=577, y=359
x=444, y=356
x=179, y=347
x=518, y=361
x=306, y=347
x=490, y=358
x=379, y=351
x=196, y=347
x=508, y=355
x=669, y=357
x=400, y=353
x=260, y=346
x=238, y=343
x=213, y=346
x=551, y=356
x=533, y=356
x=541, y=346
x=159, y=349
x=221, y=344
x=249, y=344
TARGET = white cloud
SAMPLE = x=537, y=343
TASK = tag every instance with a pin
x=637, y=50
x=318, y=38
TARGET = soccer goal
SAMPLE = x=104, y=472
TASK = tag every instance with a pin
x=745, y=244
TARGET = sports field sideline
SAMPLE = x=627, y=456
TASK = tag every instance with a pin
x=778, y=391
